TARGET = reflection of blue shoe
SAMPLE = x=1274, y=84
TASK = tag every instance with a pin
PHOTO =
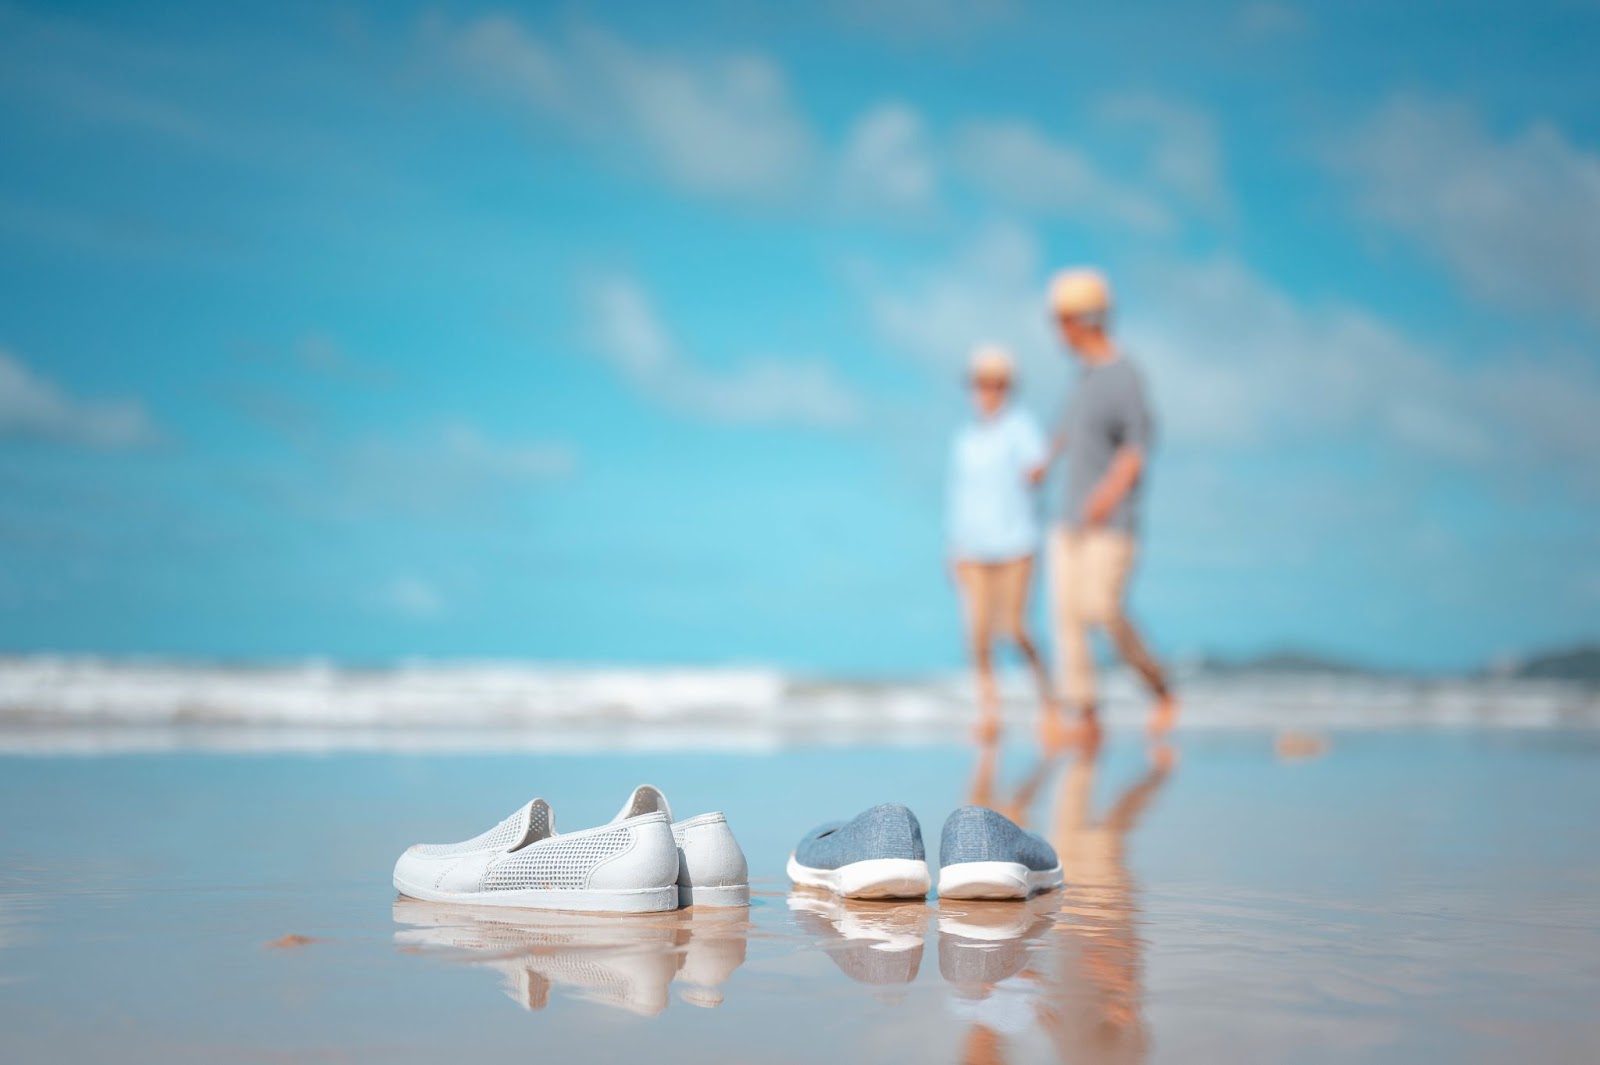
x=984, y=855
x=872, y=942
x=981, y=945
x=878, y=855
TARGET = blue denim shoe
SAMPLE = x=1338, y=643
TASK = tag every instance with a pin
x=878, y=855
x=984, y=855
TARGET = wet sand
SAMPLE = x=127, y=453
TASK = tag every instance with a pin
x=1384, y=897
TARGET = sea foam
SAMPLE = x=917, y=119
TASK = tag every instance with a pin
x=55, y=703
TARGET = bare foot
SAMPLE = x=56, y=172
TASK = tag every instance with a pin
x=1294, y=746
x=987, y=730
x=1164, y=716
x=1054, y=733
x=1090, y=734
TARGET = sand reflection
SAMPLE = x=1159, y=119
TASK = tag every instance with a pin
x=627, y=963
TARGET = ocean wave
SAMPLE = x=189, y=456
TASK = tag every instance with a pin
x=67, y=703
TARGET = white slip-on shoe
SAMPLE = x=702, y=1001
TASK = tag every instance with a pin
x=711, y=867
x=627, y=866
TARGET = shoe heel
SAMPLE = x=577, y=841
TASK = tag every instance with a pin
x=984, y=880
x=884, y=878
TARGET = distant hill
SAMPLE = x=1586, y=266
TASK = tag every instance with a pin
x=1577, y=663
x=1298, y=663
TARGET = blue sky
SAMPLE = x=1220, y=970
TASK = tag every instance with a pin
x=605, y=333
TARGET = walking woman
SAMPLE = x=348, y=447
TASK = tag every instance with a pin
x=994, y=531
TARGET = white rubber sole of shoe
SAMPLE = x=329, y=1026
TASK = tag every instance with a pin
x=876, y=878
x=714, y=895
x=587, y=900
x=995, y=880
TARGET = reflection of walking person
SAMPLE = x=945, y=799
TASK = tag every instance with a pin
x=1097, y=1010
x=993, y=529
x=1086, y=986
x=1106, y=434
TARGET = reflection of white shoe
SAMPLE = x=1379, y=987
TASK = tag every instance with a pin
x=711, y=866
x=626, y=964
x=629, y=865
x=873, y=942
x=716, y=948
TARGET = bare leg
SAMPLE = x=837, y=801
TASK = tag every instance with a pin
x=1112, y=557
x=977, y=592
x=1133, y=651
x=982, y=790
x=1074, y=664
x=1016, y=580
x=983, y=1046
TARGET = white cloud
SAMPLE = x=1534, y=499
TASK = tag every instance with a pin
x=80, y=69
x=1184, y=155
x=1236, y=361
x=413, y=598
x=1237, y=365
x=455, y=467
x=766, y=390
x=466, y=449
x=722, y=125
x=503, y=54
x=991, y=289
x=1022, y=167
x=728, y=125
x=887, y=162
x=1550, y=407
x=321, y=354
x=1271, y=20
x=33, y=407
x=1243, y=363
x=1516, y=219
x=914, y=20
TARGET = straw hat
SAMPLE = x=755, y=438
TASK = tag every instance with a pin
x=1079, y=292
x=992, y=362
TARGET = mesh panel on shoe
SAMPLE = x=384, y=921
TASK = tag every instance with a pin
x=539, y=825
x=505, y=936
x=598, y=980
x=563, y=862
x=499, y=837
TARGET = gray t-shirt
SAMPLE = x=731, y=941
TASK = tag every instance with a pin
x=1106, y=411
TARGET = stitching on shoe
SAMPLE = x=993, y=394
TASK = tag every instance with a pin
x=450, y=869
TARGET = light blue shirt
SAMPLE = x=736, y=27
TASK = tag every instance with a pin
x=993, y=513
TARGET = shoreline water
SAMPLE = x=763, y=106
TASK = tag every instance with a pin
x=1403, y=896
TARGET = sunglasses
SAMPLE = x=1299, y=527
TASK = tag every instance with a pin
x=1085, y=318
x=988, y=384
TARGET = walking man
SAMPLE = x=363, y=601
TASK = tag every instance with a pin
x=1106, y=434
